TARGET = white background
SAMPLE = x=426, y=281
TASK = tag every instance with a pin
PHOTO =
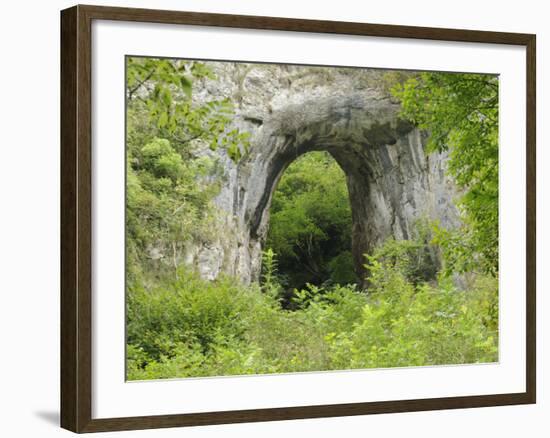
x=29, y=236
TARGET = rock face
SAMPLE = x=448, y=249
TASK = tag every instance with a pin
x=290, y=111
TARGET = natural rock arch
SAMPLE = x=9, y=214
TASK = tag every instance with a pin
x=391, y=181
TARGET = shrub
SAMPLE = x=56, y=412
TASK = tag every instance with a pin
x=191, y=327
x=407, y=324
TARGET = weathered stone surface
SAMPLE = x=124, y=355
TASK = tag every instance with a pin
x=392, y=182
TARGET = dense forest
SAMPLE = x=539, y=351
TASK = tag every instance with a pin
x=309, y=310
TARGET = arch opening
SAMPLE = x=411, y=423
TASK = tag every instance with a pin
x=309, y=227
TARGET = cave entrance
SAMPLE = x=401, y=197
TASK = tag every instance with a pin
x=310, y=225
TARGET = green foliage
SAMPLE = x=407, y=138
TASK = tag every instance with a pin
x=341, y=269
x=270, y=280
x=461, y=113
x=191, y=327
x=170, y=188
x=403, y=325
x=186, y=311
x=161, y=160
x=415, y=259
x=310, y=223
x=167, y=206
x=394, y=78
x=161, y=91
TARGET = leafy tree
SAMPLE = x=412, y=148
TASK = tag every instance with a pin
x=161, y=90
x=169, y=186
x=461, y=113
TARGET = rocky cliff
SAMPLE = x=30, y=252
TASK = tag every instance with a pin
x=292, y=110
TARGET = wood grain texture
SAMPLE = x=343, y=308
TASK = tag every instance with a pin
x=76, y=250
x=76, y=218
x=531, y=216
x=299, y=25
x=69, y=329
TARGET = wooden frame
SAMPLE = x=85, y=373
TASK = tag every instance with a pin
x=76, y=238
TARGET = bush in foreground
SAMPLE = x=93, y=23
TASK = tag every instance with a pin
x=189, y=327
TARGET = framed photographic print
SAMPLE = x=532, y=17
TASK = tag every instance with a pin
x=271, y=218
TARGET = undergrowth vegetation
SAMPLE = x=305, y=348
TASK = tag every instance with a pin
x=190, y=327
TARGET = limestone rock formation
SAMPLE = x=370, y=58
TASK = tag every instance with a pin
x=290, y=111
